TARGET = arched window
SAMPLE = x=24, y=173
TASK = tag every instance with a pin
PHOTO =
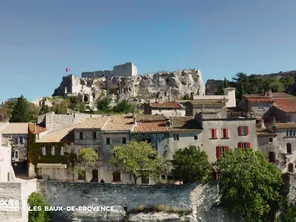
x=52, y=150
x=62, y=151
x=43, y=151
x=289, y=148
x=291, y=167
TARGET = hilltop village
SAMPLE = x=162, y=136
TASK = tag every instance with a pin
x=169, y=111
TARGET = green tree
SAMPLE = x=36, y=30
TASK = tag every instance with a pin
x=60, y=107
x=191, y=165
x=21, y=111
x=124, y=107
x=274, y=84
x=34, y=112
x=103, y=104
x=225, y=83
x=139, y=159
x=249, y=185
x=243, y=84
x=87, y=158
x=287, y=81
x=36, y=200
x=44, y=109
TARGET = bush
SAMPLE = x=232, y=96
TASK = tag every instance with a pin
x=36, y=200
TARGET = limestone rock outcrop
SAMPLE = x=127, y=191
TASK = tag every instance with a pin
x=162, y=85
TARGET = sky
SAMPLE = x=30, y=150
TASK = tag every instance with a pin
x=40, y=39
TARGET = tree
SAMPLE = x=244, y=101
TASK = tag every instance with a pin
x=288, y=212
x=124, y=107
x=249, y=185
x=287, y=81
x=138, y=159
x=60, y=107
x=243, y=85
x=44, y=109
x=36, y=200
x=225, y=83
x=104, y=104
x=87, y=158
x=21, y=111
x=191, y=165
x=34, y=112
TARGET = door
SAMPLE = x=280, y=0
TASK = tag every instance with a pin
x=95, y=175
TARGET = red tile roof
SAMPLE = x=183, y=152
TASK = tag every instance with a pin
x=260, y=99
x=153, y=126
x=39, y=129
x=171, y=105
x=287, y=105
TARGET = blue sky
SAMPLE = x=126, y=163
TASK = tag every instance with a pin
x=39, y=39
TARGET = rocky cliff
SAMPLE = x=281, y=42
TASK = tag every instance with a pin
x=164, y=85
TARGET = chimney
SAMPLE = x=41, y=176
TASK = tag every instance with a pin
x=262, y=125
x=268, y=93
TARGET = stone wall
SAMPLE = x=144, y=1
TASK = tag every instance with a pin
x=17, y=191
x=202, y=199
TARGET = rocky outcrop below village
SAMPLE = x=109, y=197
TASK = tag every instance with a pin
x=164, y=85
x=191, y=203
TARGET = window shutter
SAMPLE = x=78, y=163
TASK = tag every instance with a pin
x=240, y=130
x=227, y=148
x=225, y=132
x=213, y=133
x=247, y=130
x=239, y=145
x=249, y=145
x=218, y=152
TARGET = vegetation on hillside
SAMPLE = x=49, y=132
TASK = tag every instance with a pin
x=252, y=84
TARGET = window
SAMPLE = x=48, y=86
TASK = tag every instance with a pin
x=52, y=150
x=214, y=133
x=220, y=150
x=195, y=137
x=16, y=140
x=270, y=139
x=243, y=130
x=16, y=154
x=260, y=107
x=291, y=132
x=163, y=177
x=176, y=136
x=81, y=135
x=289, y=148
x=123, y=140
x=145, y=180
x=149, y=140
x=94, y=135
x=244, y=145
x=62, y=151
x=108, y=141
x=116, y=176
x=225, y=133
x=43, y=151
x=21, y=140
x=290, y=167
x=271, y=157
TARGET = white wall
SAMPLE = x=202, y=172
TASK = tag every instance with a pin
x=169, y=113
x=5, y=164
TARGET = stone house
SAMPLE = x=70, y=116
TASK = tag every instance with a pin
x=166, y=108
x=17, y=134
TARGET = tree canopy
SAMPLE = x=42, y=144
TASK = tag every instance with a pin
x=249, y=185
x=124, y=107
x=103, y=104
x=139, y=159
x=87, y=158
x=191, y=164
x=21, y=111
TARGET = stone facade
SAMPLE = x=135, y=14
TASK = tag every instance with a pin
x=198, y=198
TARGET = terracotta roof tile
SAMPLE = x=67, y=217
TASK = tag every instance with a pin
x=172, y=105
x=184, y=124
x=291, y=125
x=37, y=130
x=260, y=99
x=119, y=122
x=95, y=122
x=62, y=135
x=16, y=128
x=287, y=105
x=149, y=118
x=152, y=126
